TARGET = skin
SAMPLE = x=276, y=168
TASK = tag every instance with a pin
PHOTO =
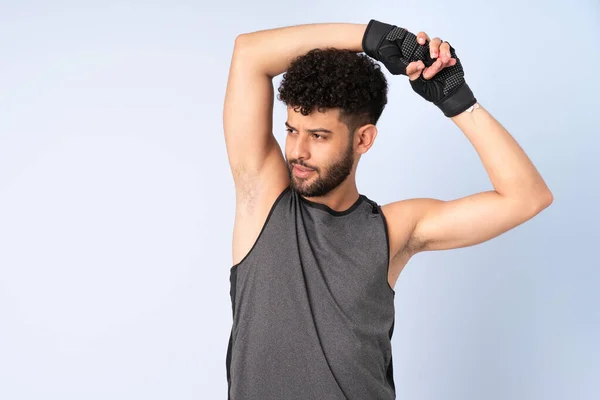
x=261, y=170
x=332, y=156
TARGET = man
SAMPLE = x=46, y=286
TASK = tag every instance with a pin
x=315, y=262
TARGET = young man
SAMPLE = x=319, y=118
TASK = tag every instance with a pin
x=315, y=262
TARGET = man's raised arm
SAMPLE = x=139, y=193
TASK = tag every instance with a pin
x=254, y=155
x=275, y=49
x=519, y=194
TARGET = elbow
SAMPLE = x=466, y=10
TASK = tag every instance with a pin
x=240, y=43
x=546, y=199
x=541, y=201
x=544, y=196
x=539, y=197
x=244, y=41
x=531, y=204
x=240, y=40
x=244, y=47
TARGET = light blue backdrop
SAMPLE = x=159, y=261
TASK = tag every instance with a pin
x=116, y=202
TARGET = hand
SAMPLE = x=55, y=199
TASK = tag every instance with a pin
x=435, y=72
x=441, y=82
x=438, y=51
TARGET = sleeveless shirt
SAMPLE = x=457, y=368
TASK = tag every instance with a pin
x=313, y=312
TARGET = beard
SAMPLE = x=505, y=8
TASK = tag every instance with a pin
x=325, y=181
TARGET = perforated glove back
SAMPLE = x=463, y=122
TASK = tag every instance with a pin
x=447, y=89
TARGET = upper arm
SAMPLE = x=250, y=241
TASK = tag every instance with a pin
x=432, y=224
x=254, y=155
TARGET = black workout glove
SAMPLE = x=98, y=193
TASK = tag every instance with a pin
x=396, y=48
x=447, y=89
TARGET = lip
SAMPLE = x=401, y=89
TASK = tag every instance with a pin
x=301, y=172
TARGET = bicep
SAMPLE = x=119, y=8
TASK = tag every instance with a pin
x=247, y=121
x=442, y=225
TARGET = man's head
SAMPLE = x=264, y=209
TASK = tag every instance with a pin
x=334, y=98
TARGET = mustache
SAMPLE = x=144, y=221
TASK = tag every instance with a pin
x=301, y=164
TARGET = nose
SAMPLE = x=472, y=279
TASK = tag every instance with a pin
x=300, y=150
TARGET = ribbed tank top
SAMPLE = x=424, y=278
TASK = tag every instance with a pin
x=313, y=312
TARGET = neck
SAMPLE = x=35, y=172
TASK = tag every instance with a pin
x=339, y=199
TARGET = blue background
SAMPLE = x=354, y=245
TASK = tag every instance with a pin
x=117, y=204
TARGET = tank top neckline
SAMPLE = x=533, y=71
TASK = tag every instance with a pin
x=331, y=211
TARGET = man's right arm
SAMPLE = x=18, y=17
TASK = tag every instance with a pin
x=255, y=158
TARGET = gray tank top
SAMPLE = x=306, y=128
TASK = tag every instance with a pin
x=313, y=312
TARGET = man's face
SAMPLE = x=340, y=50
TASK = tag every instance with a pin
x=328, y=156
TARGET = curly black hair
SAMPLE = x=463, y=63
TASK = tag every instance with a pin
x=336, y=78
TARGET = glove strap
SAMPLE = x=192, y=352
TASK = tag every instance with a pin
x=375, y=34
x=457, y=102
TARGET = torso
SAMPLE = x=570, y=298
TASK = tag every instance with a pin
x=302, y=273
x=251, y=215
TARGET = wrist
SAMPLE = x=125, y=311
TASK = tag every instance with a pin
x=375, y=32
x=468, y=114
x=458, y=102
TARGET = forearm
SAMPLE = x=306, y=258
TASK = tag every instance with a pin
x=273, y=50
x=511, y=172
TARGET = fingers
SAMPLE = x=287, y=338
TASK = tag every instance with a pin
x=433, y=69
x=438, y=50
x=422, y=37
x=413, y=70
x=445, y=50
x=434, y=47
x=437, y=66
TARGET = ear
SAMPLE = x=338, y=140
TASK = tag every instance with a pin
x=364, y=137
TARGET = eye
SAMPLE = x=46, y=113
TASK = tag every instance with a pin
x=289, y=131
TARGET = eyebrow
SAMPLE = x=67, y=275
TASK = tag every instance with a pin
x=320, y=130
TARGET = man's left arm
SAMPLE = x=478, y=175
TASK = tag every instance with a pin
x=519, y=194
